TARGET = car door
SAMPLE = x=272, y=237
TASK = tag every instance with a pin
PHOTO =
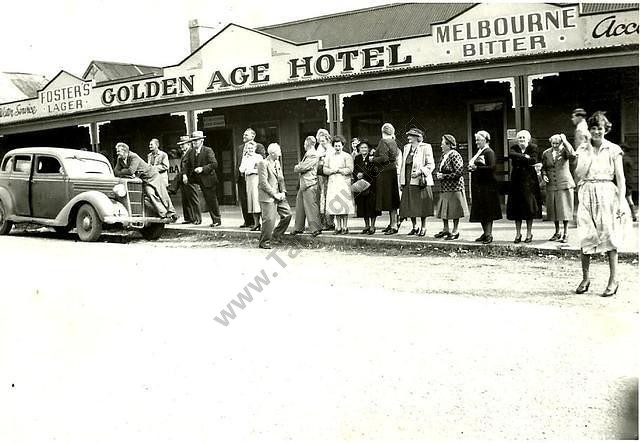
x=49, y=187
x=19, y=183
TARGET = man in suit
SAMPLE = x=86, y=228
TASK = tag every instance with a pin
x=248, y=136
x=272, y=194
x=200, y=168
x=308, y=194
x=189, y=191
x=159, y=159
x=130, y=165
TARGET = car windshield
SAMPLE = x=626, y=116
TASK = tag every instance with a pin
x=81, y=165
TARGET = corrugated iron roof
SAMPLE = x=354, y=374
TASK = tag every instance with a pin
x=114, y=70
x=368, y=25
x=19, y=86
x=599, y=8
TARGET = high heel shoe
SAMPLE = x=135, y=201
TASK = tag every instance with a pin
x=422, y=232
x=608, y=293
x=518, y=238
x=371, y=231
x=528, y=239
x=481, y=238
x=413, y=231
x=391, y=231
x=441, y=234
x=582, y=288
x=451, y=236
x=555, y=237
x=487, y=239
x=564, y=238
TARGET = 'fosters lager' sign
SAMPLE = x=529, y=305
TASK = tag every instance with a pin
x=238, y=58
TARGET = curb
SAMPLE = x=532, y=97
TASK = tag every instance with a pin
x=397, y=244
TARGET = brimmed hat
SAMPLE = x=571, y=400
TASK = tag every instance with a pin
x=197, y=135
x=579, y=112
x=450, y=139
x=183, y=139
x=415, y=131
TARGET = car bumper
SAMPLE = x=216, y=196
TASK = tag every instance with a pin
x=132, y=221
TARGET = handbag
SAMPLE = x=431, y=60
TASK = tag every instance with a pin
x=422, y=181
x=360, y=186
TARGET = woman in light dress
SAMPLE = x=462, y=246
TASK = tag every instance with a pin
x=249, y=167
x=325, y=148
x=603, y=212
x=339, y=168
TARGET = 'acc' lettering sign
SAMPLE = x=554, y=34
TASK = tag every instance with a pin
x=609, y=27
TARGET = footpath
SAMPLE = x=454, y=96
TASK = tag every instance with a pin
x=503, y=234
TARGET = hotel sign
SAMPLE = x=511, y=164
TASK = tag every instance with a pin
x=238, y=58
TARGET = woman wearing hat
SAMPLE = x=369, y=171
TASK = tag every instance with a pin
x=416, y=181
x=365, y=201
x=387, y=192
x=453, y=203
x=485, y=199
x=249, y=168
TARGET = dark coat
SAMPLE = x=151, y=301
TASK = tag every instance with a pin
x=485, y=199
x=207, y=161
x=525, y=201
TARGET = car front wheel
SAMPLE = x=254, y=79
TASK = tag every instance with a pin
x=153, y=231
x=5, y=224
x=88, y=224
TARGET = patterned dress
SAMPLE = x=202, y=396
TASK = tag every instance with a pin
x=600, y=223
x=453, y=203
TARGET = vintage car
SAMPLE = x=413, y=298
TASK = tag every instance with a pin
x=68, y=188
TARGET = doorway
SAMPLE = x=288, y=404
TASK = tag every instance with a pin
x=221, y=141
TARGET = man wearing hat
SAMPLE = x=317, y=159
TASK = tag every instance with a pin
x=200, y=168
x=248, y=136
x=582, y=131
x=190, y=200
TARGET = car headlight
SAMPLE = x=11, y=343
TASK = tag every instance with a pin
x=120, y=190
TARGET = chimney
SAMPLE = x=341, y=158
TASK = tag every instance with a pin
x=194, y=34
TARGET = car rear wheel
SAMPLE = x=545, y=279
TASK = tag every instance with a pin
x=88, y=224
x=5, y=225
x=153, y=231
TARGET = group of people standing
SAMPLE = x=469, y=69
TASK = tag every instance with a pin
x=334, y=184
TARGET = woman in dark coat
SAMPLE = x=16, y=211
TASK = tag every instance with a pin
x=524, y=196
x=485, y=199
x=363, y=169
x=387, y=190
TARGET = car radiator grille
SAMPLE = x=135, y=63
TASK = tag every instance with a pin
x=136, y=199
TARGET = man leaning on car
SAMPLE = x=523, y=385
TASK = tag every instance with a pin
x=130, y=165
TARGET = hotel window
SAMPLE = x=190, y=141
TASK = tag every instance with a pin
x=367, y=126
x=266, y=133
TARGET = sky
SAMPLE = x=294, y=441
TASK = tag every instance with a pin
x=44, y=37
